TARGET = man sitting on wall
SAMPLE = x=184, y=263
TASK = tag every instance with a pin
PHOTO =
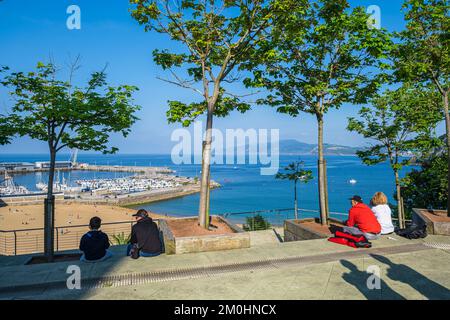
x=95, y=243
x=145, y=237
x=362, y=221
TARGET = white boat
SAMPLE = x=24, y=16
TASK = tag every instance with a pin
x=58, y=186
x=352, y=181
x=8, y=187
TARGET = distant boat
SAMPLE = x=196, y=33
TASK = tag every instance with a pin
x=352, y=181
x=235, y=168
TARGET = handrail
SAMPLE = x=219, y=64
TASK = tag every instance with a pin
x=276, y=210
x=290, y=209
x=71, y=226
x=23, y=241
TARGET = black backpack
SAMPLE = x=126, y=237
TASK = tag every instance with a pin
x=413, y=232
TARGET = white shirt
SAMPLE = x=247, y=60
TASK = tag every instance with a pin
x=383, y=214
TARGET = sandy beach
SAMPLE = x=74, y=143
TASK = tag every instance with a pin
x=17, y=217
x=71, y=220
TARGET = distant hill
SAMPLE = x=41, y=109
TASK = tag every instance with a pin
x=295, y=147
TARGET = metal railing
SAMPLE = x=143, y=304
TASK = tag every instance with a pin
x=276, y=217
x=26, y=241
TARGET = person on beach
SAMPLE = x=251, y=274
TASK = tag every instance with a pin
x=145, y=237
x=95, y=243
x=383, y=213
x=361, y=220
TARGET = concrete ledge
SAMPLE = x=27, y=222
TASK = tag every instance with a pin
x=31, y=198
x=302, y=229
x=178, y=245
x=436, y=221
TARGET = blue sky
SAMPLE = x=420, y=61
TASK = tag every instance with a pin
x=31, y=31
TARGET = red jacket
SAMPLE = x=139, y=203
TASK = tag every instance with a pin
x=361, y=216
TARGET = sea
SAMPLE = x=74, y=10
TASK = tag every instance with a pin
x=243, y=189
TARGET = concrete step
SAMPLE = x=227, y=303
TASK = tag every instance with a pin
x=264, y=237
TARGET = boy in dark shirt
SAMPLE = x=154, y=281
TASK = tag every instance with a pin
x=95, y=243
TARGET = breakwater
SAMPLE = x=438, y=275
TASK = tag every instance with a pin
x=88, y=167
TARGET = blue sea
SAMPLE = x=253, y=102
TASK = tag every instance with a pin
x=243, y=187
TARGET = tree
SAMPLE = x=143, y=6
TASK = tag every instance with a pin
x=63, y=115
x=423, y=54
x=216, y=37
x=319, y=55
x=294, y=172
x=400, y=122
x=121, y=238
x=427, y=187
x=6, y=131
x=256, y=223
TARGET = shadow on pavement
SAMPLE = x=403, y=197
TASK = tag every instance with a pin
x=359, y=278
x=402, y=273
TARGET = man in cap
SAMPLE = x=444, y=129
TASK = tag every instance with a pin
x=361, y=220
x=145, y=236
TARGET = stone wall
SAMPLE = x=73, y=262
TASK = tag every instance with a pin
x=26, y=200
x=294, y=231
x=439, y=225
x=179, y=245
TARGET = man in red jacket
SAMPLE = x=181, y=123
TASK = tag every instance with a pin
x=362, y=221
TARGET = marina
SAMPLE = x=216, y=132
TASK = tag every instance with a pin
x=126, y=185
x=92, y=183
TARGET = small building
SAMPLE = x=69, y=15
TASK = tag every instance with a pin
x=16, y=166
x=58, y=165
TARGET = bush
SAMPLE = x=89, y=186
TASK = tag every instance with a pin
x=120, y=238
x=257, y=222
x=427, y=187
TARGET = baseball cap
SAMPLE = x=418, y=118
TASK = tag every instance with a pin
x=356, y=198
x=141, y=213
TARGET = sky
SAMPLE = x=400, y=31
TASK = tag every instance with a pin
x=32, y=31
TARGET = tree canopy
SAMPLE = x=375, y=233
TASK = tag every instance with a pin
x=294, y=172
x=423, y=51
x=427, y=187
x=398, y=122
x=216, y=37
x=52, y=110
x=315, y=56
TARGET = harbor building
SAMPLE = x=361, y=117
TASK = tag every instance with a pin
x=58, y=164
x=16, y=166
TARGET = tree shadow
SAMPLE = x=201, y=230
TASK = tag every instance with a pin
x=359, y=278
x=427, y=287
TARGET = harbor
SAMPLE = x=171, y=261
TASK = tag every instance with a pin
x=128, y=185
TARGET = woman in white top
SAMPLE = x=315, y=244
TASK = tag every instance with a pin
x=382, y=212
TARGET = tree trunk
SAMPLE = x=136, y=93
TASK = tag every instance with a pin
x=401, y=213
x=49, y=207
x=325, y=175
x=295, y=201
x=447, y=131
x=321, y=171
x=203, y=213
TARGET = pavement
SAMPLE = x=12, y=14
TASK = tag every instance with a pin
x=268, y=270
